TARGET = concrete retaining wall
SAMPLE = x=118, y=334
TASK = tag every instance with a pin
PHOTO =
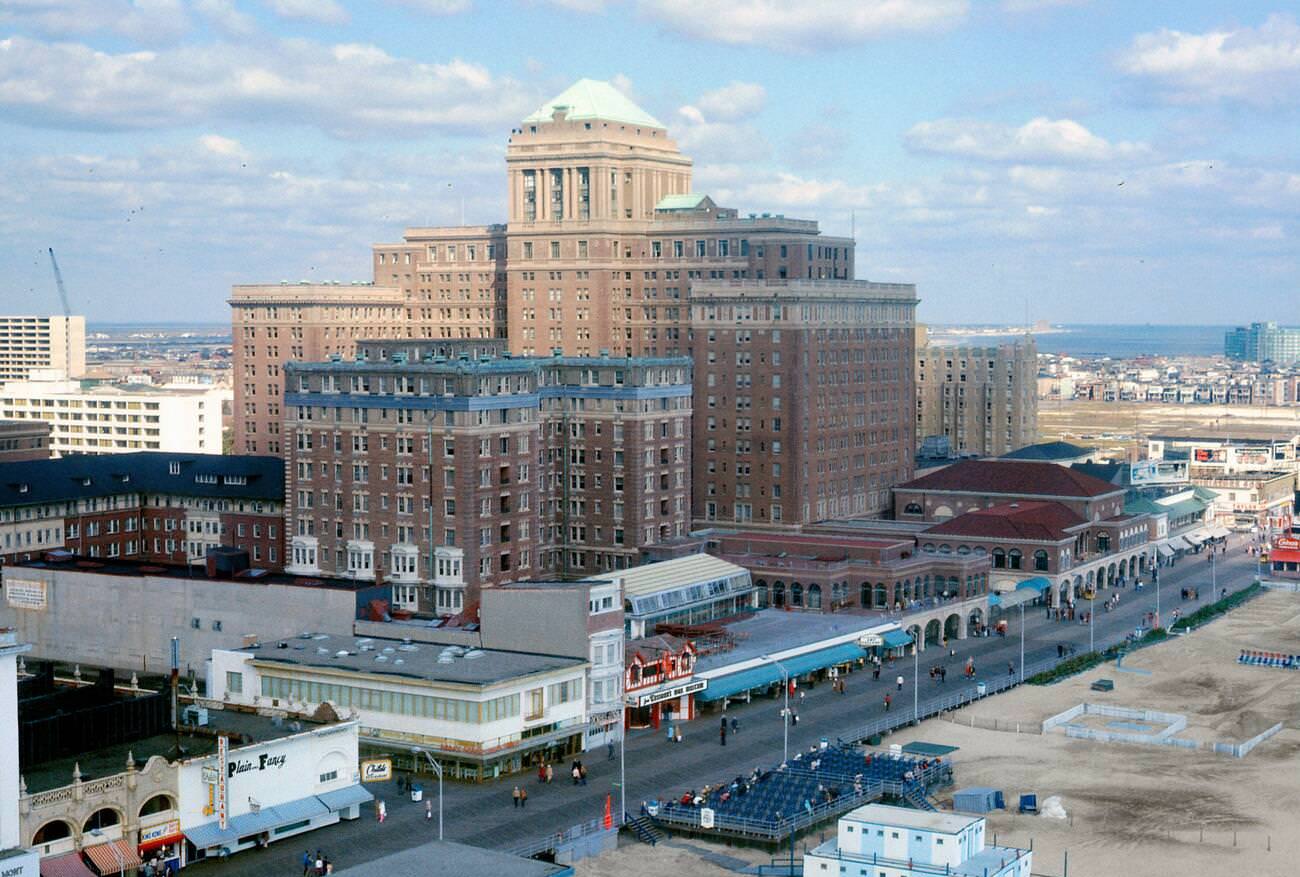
x=1173, y=723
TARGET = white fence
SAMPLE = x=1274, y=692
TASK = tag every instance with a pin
x=1172, y=723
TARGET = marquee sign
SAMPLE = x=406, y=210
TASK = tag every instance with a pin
x=376, y=770
x=223, y=755
x=672, y=693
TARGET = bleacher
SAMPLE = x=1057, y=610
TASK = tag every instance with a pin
x=813, y=786
x=1253, y=658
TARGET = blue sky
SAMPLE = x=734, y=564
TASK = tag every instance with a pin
x=1073, y=160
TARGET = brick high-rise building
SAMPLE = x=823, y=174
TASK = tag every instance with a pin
x=603, y=243
x=982, y=398
x=802, y=397
x=446, y=469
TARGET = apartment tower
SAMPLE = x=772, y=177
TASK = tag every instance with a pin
x=982, y=398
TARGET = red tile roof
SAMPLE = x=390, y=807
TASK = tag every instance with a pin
x=1013, y=478
x=1036, y=521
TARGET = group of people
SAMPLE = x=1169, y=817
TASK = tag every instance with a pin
x=733, y=725
x=316, y=866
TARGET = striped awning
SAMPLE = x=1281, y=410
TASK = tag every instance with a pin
x=66, y=865
x=116, y=857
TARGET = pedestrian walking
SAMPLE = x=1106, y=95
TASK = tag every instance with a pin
x=306, y=863
x=888, y=701
x=319, y=863
x=875, y=672
x=900, y=683
x=609, y=751
x=576, y=773
x=523, y=797
x=722, y=733
x=381, y=811
x=515, y=796
x=1011, y=669
x=428, y=809
x=550, y=774
x=735, y=725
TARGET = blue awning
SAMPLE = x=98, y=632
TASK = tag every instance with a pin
x=267, y=819
x=340, y=799
x=1037, y=583
x=896, y=639
x=769, y=673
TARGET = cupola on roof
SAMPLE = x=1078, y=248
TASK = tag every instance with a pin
x=594, y=99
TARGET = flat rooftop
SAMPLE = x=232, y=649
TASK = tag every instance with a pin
x=770, y=631
x=907, y=817
x=109, y=760
x=139, y=568
x=454, y=858
x=409, y=660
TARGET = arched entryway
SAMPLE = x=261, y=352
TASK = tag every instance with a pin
x=915, y=633
x=814, y=596
x=933, y=630
x=796, y=594
x=974, y=622
x=778, y=594
x=760, y=593
x=952, y=627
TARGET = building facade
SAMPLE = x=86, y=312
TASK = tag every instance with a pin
x=505, y=468
x=1263, y=342
x=481, y=713
x=166, y=508
x=118, y=418
x=975, y=484
x=29, y=343
x=24, y=440
x=602, y=244
x=982, y=398
x=801, y=392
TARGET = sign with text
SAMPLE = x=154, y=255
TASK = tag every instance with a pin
x=376, y=770
x=163, y=833
x=671, y=693
x=223, y=756
x=871, y=641
x=26, y=593
x=706, y=817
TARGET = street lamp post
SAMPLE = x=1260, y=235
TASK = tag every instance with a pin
x=437, y=769
x=916, y=675
x=1092, y=616
x=1022, y=642
x=785, y=724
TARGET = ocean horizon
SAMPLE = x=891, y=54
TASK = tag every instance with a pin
x=1116, y=340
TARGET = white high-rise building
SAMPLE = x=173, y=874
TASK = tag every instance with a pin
x=118, y=418
x=28, y=343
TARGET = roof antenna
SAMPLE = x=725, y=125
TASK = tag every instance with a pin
x=853, y=226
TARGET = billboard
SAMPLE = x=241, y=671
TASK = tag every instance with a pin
x=1152, y=472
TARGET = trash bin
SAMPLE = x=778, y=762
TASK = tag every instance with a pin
x=417, y=793
x=825, y=741
x=981, y=689
x=873, y=740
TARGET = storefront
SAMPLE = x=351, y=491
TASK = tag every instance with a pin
x=161, y=846
x=659, y=682
x=253, y=796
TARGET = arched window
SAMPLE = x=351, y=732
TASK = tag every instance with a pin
x=796, y=594
x=1013, y=558
x=157, y=804
x=814, y=597
x=912, y=508
x=1103, y=542
x=102, y=818
x=963, y=550
x=999, y=559
x=1040, y=560
x=778, y=594
x=945, y=549
x=51, y=831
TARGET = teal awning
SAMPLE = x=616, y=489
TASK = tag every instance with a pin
x=1037, y=583
x=896, y=639
x=769, y=673
x=1018, y=597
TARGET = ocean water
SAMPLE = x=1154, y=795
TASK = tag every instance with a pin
x=1120, y=341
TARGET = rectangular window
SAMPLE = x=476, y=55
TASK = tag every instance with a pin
x=234, y=682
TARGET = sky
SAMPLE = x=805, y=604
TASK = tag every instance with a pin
x=1100, y=161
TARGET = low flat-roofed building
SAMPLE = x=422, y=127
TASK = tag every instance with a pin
x=683, y=591
x=22, y=440
x=884, y=841
x=481, y=712
x=123, y=614
x=462, y=860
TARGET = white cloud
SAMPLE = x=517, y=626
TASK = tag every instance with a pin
x=225, y=17
x=1036, y=5
x=1040, y=139
x=1252, y=65
x=348, y=90
x=319, y=11
x=435, y=7
x=225, y=146
x=144, y=21
x=808, y=25
x=736, y=100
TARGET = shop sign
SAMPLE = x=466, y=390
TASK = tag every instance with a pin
x=156, y=835
x=223, y=755
x=706, y=817
x=265, y=761
x=26, y=594
x=1287, y=542
x=670, y=693
x=376, y=770
x=20, y=863
x=871, y=641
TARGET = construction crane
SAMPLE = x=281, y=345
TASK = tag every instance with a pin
x=67, y=317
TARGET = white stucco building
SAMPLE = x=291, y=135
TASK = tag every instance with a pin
x=118, y=418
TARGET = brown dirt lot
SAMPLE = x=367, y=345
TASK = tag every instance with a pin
x=1133, y=810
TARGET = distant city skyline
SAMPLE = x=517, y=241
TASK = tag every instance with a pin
x=1133, y=163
